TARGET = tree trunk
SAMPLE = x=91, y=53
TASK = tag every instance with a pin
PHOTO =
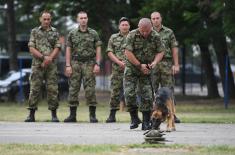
x=210, y=77
x=221, y=50
x=11, y=35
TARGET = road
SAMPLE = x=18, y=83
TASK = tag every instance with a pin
x=114, y=133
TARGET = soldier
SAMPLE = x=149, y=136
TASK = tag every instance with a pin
x=83, y=57
x=143, y=50
x=116, y=54
x=44, y=46
x=169, y=66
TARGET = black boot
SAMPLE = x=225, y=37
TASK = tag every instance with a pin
x=146, y=121
x=135, y=121
x=93, y=118
x=177, y=120
x=111, y=117
x=31, y=117
x=72, y=116
x=54, y=117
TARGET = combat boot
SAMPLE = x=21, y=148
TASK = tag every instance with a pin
x=146, y=121
x=135, y=121
x=31, y=117
x=72, y=116
x=54, y=117
x=92, y=110
x=112, y=117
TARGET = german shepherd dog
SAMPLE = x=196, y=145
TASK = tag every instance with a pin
x=163, y=109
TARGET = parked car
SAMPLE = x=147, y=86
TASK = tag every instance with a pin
x=11, y=82
x=10, y=85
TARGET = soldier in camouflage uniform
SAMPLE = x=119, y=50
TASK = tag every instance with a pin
x=164, y=73
x=115, y=52
x=83, y=57
x=143, y=50
x=44, y=46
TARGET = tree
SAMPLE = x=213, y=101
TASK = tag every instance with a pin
x=11, y=35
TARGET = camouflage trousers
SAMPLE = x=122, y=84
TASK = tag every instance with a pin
x=133, y=80
x=162, y=75
x=116, y=87
x=82, y=73
x=37, y=77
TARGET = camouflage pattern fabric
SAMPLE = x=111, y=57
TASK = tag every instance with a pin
x=83, y=52
x=82, y=72
x=83, y=44
x=145, y=51
x=45, y=42
x=162, y=74
x=115, y=45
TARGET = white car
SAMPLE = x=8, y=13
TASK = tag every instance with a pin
x=13, y=79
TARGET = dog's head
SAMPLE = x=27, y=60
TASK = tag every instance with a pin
x=160, y=110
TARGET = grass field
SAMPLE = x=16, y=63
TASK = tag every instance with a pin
x=138, y=149
x=196, y=111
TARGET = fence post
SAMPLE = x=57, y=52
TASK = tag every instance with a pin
x=226, y=97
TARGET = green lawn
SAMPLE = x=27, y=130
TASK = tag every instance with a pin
x=196, y=111
x=203, y=111
x=139, y=149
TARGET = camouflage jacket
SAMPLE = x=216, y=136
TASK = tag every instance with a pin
x=144, y=50
x=115, y=45
x=83, y=44
x=44, y=41
x=168, y=39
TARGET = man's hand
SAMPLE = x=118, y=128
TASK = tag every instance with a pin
x=144, y=68
x=153, y=64
x=122, y=65
x=175, y=69
x=46, y=61
x=96, y=69
x=68, y=71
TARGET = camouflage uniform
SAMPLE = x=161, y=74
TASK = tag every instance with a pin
x=145, y=51
x=44, y=41
x=162, y=75
x=115, y=45
x=83, y=53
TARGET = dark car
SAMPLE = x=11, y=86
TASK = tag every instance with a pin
x=15, y=86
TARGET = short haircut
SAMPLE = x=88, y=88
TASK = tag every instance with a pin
x=124, y=19
x=81, y=12
x=45, y=11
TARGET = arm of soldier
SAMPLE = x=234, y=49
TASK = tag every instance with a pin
x=98, y=44
x=68, y=67
x=98, y=60
x=35, y=53
x=174, y=49
x=132, y=59
x=111, y=55
x=175, y=67
x=161, y=49
x=157, y=59
x=32, y=47
x=116, y=60
x=48, y=59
